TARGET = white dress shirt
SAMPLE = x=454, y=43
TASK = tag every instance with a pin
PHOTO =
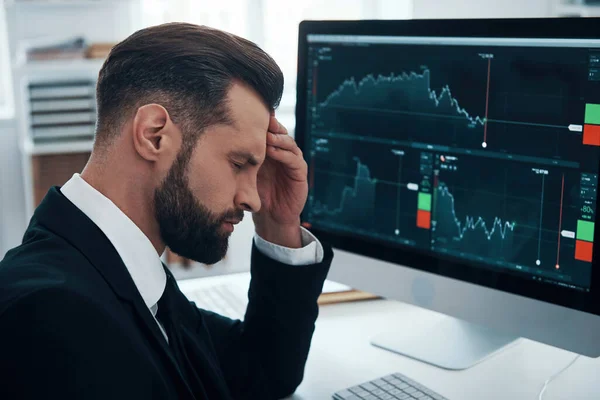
x=139, y=255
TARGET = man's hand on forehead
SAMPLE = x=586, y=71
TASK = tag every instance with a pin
x=283, y=188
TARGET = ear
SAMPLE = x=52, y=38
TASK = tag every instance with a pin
x=154, y=133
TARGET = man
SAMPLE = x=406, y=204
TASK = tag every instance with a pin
x=186, y=141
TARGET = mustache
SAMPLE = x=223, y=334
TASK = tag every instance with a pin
x=233, y=215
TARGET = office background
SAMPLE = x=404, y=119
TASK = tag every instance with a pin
x=26, y=24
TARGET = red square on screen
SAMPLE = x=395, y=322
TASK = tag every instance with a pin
x=591, y=135
x=583, y=250
x=423, y=219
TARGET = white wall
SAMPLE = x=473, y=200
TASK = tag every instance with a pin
x=96, y=21
x=12, y=198
x=482, y=8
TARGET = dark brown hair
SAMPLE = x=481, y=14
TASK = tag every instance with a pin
x=186, y=68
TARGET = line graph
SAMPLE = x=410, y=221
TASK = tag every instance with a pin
x=367, y=186
x=499, y=227
x=463, y=99
x=369, y=91
x=361, y=195
x=502, y=129
x=508, y=213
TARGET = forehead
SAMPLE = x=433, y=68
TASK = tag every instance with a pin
x=250, y=117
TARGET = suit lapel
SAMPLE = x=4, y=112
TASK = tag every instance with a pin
x=203, y=369
x=57, y=214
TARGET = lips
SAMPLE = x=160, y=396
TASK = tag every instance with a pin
x=229, y=224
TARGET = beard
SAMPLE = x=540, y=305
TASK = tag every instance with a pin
x=186, y=226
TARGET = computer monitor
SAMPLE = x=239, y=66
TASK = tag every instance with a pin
x=454, y=165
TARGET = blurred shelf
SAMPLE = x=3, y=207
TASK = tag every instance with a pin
x=37, y=3
x=84, y=64
x=81, y=146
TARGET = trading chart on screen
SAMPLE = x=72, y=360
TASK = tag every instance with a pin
x=478, y=149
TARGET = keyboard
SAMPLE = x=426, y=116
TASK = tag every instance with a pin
x=391, y=387
x=228, y=294
x=225, y=299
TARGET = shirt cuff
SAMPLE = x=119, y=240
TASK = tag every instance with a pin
x=311, y=251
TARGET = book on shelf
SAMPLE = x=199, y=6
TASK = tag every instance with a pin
x=99, y=50
x=65, y=50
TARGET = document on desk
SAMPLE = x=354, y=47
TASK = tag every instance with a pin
x=334, y=287
x=228, y=294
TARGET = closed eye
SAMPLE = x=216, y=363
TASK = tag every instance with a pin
x=237, y=166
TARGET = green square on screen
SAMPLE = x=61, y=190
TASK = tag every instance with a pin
x=592, y=114
x=585, y=230
x=424, y=201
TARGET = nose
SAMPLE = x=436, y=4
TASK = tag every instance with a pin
x=247, y=198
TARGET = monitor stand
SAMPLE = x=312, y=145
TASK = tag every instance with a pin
x=451, y=343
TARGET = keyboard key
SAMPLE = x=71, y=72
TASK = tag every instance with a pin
x=346, y=395
x=368, y=386
x=390, y=387
x=360, y=392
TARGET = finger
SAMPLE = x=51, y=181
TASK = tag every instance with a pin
x=288, y=158
x=284, y=142
x=276, y=127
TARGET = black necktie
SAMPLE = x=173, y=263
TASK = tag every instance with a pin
x=165, y=316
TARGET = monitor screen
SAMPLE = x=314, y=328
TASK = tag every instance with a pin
x=483, y=151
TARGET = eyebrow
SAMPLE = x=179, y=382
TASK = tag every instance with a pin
x=249, y=157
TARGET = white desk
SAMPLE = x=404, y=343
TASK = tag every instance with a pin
x=341, y=356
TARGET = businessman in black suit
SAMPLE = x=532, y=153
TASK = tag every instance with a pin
x=186, y=141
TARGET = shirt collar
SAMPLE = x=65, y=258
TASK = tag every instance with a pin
x=132, y=245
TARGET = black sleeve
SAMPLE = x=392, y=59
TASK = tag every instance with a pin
x=56, y=344
x=264, y=356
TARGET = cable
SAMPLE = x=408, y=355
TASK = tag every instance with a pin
x=549, y=380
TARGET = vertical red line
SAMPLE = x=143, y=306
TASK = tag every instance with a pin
x=562, y=191
x=487, y=100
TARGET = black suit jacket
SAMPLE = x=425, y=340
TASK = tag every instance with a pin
x=74, y=326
